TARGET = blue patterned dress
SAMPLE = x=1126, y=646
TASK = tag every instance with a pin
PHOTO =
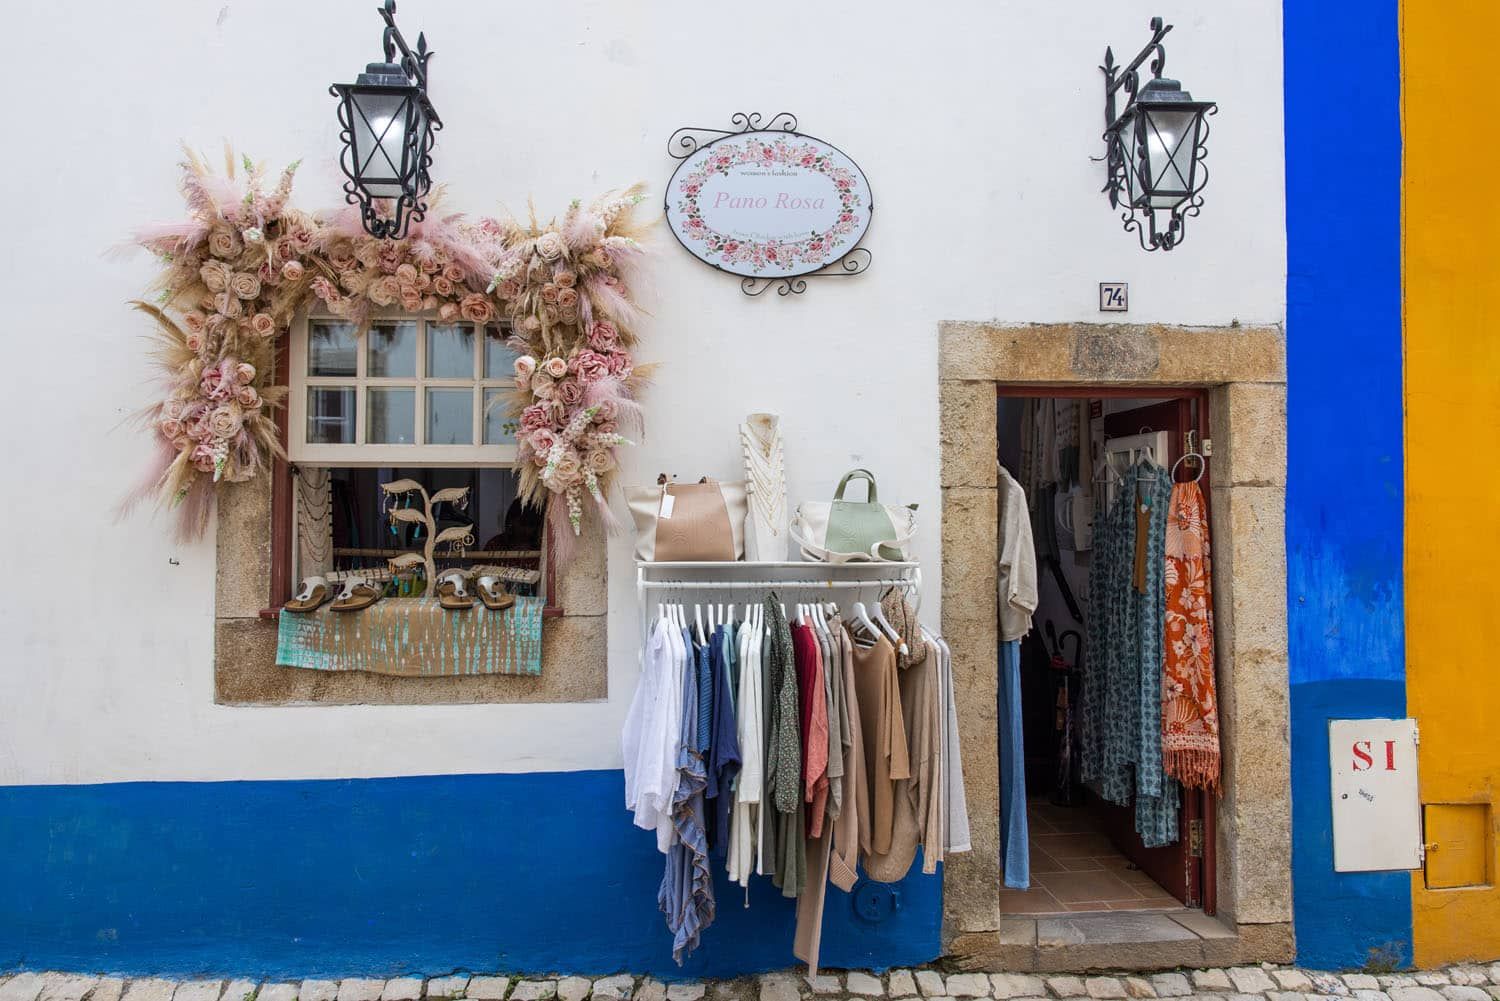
x=1120, y=722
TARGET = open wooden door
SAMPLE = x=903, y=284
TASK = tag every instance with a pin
x=1184, y=869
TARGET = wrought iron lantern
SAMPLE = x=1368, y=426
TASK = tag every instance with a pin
x=386, y=125
x=1155, y=147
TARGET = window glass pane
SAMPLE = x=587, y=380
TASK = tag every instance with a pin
x=499, y=360
x=330, y=415
x=499, y=427
x=450, y=417
x=331, y=347
x=393, y=416
x=450, y=351
x=393, y=350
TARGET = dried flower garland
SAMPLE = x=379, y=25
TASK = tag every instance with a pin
x=244, y=262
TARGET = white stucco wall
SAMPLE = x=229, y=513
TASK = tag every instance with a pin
x=975, y=122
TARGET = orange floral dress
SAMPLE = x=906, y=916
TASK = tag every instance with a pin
x=1190, y=710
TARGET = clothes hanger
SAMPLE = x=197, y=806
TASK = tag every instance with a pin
x=1202, y=467
x=878, y=614
x=862, y=618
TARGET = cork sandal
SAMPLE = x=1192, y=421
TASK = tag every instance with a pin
x=311, y=594
x=493, y=594
x=357, y=594
x=451, y=592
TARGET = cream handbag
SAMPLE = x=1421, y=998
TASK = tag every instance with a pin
x=688, y=522
x=843, y=531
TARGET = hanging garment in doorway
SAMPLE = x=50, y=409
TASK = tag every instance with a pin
x=1190, y=711
x=1124, y=656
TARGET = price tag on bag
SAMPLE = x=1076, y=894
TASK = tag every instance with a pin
x=667, y=501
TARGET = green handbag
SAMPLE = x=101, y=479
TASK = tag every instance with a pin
x=843, y=531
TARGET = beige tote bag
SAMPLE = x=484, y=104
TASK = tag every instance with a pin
x=689, y=522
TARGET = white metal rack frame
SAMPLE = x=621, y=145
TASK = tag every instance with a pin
x=707, y=582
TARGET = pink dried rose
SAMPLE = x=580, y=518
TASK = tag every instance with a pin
x=194, y=321
x=607, y=427
x=263, y=325
x=549, y=292
x=603, y=336
x=245, y=284
x=384, y=291
x=591, y=366
x=390, y=255
x=508, y=289
x=453, y=273
x=524, y=366
x=293, y=271
x=542, y=440
x=224, y=242
x=203, y=457
x=170, y=428
x=424, y=282
x=476, y=308
x=175, y=409
x=194, y=341
x=215, y=274
x=556, y=367
x=302, y=239
x=621, y=365
x=411, y=299
x=567, y=298
x=244, y=373
x=323, y=289
x=248, y=398
x=565, y=279
x=569, y=393
x=534, y=418
x=406, y=274
x=448, y=312
x=442, y=286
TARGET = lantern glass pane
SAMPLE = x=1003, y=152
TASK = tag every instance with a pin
x=381, y=120
x=1171, y=139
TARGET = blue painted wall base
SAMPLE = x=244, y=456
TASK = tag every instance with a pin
x=524, y=873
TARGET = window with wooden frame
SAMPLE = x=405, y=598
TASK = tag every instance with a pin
x=415, y=397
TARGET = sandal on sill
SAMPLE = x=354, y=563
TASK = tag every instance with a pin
x=313, y=592
x=357, y=594
x=493, y=594
x=451, y=592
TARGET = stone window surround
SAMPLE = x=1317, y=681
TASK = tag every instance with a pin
x=1244, y=371
x=574, y=665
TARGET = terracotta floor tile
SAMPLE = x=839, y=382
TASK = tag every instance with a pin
x=1041, y=862
x=1032, y=901
x=1078, y=887
x=1066, y=846
x=1083, y=865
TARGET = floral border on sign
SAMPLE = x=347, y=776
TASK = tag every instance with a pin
x=237, y=270
x=814, y=248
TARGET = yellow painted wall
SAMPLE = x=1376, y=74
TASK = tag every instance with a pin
x=1452, y=339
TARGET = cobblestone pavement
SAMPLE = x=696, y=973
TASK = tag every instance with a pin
x=1248, y=983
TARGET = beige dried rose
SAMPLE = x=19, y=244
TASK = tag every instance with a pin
x=549, y=292
x=567, y=297
x=565, y=279
x=215, y=275
x=556, y=367
x=194, y=321
x=225, y=243
x=453, y=273
x=406, y=274
x=448, y=312
x=442, y=286
x=245, y=284
x=601, y=461
x=263, y=325
x=248, y=398
x=385, y=291
x=549, y=247
x=476, y=308
x=227, y=420
x=227, y=304
x=293, y=271
x=411, y=299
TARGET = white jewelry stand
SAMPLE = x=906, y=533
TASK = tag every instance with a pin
x=765, y=483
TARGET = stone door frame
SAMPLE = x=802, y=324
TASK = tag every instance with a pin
x=1244, y=371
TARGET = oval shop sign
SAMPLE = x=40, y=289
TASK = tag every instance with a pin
x=768, y=204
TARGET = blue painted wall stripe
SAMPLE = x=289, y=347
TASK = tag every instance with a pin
x=521, y=873
x=1344, y=440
